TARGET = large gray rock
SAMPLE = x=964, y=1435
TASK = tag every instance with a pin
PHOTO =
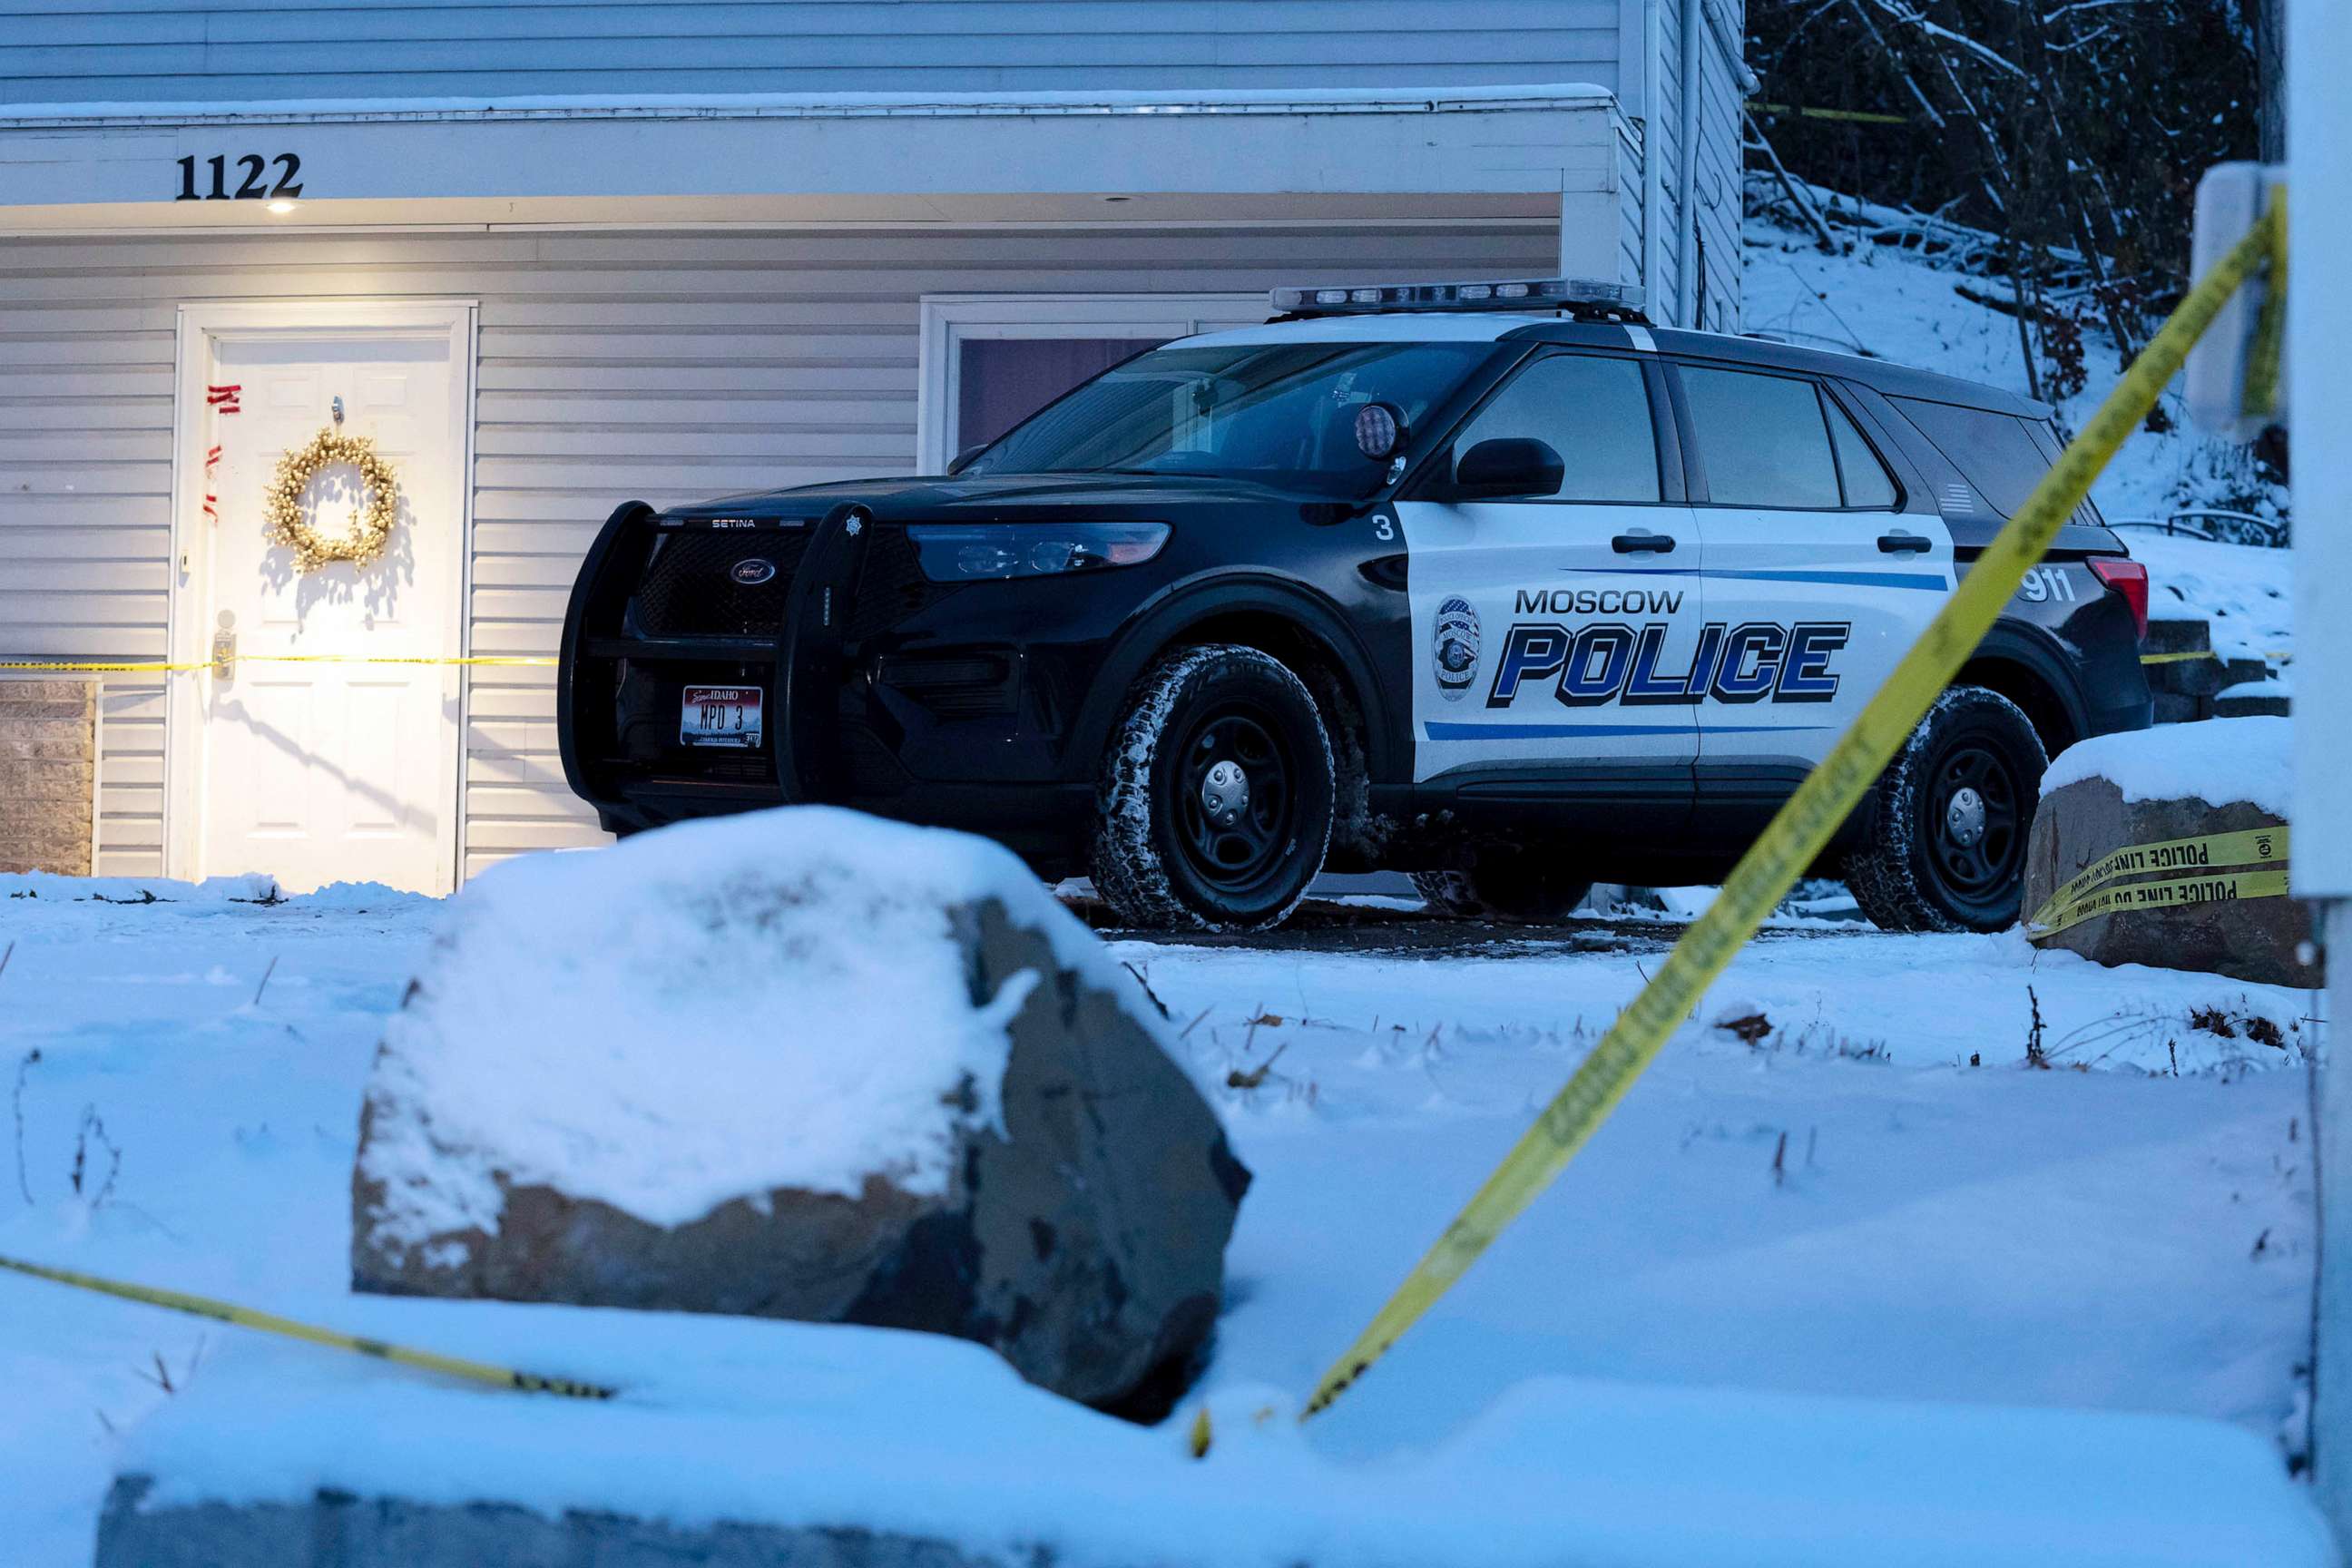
x=2083, y=820
x=1055, y=1187
x=335, y=1530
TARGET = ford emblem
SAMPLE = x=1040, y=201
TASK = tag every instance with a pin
x=752, y=570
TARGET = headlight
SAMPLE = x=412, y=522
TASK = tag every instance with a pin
x=970, y=553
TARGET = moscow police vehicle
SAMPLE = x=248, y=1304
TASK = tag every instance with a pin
x=1492, y=584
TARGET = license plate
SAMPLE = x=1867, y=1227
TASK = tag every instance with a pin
x=720, y=716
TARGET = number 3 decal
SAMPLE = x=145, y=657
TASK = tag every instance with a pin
x=1383, y=528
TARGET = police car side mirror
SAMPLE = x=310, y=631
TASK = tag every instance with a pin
x=1509, y=466
x=963, y=458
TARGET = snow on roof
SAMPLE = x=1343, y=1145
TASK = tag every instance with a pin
x=709, y=1012
x=1170, y=101
x=2217, y=760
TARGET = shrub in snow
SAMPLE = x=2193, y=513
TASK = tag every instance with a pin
x=801, y=1064
x=2159, y=786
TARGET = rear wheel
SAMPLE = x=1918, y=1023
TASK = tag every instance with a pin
x=1520, y=888
x=1216, y=800
x=1946, y=846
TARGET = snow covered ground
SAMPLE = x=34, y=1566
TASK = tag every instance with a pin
x=2243, y=591
x=1841, y=1180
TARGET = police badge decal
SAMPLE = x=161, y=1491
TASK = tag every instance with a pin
x=1453, y=648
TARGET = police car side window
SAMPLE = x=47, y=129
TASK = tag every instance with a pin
x=1762, y=439
x=1594, y=411
x=1994, y=451
x=1867, y=483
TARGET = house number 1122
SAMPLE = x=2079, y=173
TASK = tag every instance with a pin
x=254, y=187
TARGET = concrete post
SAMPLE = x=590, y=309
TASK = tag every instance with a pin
x=2319, y=39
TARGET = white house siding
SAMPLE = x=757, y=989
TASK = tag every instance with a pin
x=666, y=366
x=152, y=51
x=1715, y=144
x=1631, y=221
x=1663, y=135
x=1717, y=147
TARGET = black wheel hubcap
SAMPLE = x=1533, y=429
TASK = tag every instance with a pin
x=1234, y=805
x=1973, y=828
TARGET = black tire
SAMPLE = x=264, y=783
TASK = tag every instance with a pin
x=1946, y=845
x=1522, y=889
x=1216, y=800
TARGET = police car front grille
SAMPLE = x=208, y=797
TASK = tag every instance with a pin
x=689, y=588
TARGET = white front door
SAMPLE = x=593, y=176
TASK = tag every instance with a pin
x=336, y=769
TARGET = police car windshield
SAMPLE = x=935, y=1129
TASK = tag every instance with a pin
x=1280, y=413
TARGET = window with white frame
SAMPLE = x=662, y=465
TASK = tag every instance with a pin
x=990, y=361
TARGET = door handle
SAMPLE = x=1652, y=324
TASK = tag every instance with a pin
x=1904, y=544
x=1643, y=544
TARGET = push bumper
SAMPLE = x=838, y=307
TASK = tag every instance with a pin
x=857, y=711
x=620, y=691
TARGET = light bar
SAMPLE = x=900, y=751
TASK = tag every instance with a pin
x=1579, y=296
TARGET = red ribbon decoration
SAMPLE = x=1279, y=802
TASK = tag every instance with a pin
x=224, y=398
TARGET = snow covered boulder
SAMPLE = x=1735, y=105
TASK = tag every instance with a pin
x=2167, y=847
x=801, y=1064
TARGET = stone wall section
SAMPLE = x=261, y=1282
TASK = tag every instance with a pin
x=48, y=764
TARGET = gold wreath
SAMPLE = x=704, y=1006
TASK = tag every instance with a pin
x=282, y=503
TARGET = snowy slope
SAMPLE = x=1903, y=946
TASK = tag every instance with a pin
x=1894, y=305
x=2242, y=591
x=1844, y=1208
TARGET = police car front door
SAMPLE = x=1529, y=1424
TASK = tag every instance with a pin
x=1816, y=583
x=1554, y=632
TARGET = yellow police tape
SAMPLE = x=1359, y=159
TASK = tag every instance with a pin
x=165, y=667
x=2259, y=395
x=2279, y=653
x=1803, y=828
x=268, y=1323
x=2171, y=893
x=2246, y=846
x=1807, y=111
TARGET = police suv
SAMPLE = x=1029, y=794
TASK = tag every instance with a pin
x=1491, y=583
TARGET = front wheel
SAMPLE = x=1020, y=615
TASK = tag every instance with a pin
x=1946, y=845
x=1216, y=800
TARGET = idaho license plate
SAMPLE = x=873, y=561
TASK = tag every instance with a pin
x=720, y=716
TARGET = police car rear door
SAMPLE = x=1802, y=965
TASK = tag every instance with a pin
x=1550, y=627
x=1816, y=580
